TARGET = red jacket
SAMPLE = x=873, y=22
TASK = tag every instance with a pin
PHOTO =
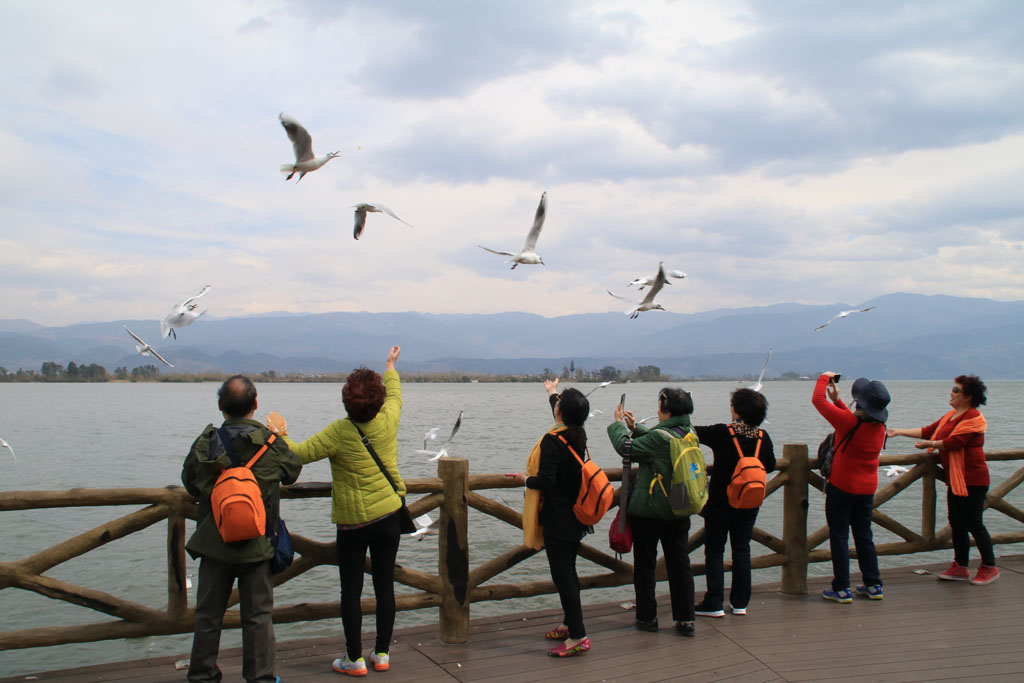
x=975, y=467
x=855, y=468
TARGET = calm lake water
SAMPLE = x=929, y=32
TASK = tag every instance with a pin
x=137, y=435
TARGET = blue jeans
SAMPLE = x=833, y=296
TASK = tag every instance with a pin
x=845, y=512
x=720, y=522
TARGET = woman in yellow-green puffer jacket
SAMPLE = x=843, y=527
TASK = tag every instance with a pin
x=364, y=505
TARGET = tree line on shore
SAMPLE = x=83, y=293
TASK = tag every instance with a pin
x=51, y=371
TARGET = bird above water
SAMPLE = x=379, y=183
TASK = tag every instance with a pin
x=4, y=444
x=145, y=349
x=760, y=379
x=183, y=315
x=360, y=216
x=647, y=303
x=302, y=143
x=432, y=434
x=843, y=314
x=528, y=255
x=642, y=282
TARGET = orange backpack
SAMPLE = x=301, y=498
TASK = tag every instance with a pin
x=747, y=487
x=236, y=499
x=596, y=494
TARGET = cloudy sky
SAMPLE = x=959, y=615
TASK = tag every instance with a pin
x=816, y=152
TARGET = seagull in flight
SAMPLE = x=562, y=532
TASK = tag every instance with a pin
x=644, y=421
x=595, y=412
x=302, y=143
x=602, y=385
x=895, y=470
x=363, y=208
x=760, y=379
x=528, y=255
x=4, y=444
x=843, y=314
x=443, y=451
x=182, y=315
x=648, y=303
x=145, y=349
x=425, y=526
x=642, y=282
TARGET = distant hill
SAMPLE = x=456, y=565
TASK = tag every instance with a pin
x=908, y=336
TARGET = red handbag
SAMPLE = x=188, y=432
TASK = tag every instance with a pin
x=621, y=541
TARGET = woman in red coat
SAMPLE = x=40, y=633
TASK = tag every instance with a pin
x=959, y=436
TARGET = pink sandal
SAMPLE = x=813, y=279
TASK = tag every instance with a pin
x=565, y=651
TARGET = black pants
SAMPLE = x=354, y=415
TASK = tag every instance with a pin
x=674, y=537
x=965, y=518
x=256, y=604
x=845, y=512
x=381, y=538
x=562, y=561
x=721, y=522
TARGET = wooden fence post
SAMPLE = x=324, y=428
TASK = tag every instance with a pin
x=453, y=550
x=177, y=593
x=928, y=502
x=794, y=519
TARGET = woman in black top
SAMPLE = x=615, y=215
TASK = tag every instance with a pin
x=558, y=479
x=748, y=409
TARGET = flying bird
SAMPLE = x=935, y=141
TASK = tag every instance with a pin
x=425, y=526
x=363, y=208
x=302, y=143
x=602, y=385
x=644, y=421
x=760, y=379
x=182, y=315
x=4, y=444
x=647, y=303
x=145, y=349
x=528, y=255
x=443, y=450
x=642, y=282
x=430, y=436
x=595, y=412
x=895, y=470
x=843, y=314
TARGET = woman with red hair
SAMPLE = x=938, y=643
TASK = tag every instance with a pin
x=365, y=500
x=959, y=436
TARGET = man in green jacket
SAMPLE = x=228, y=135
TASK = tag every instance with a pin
x=650, y=514
x=248, y=561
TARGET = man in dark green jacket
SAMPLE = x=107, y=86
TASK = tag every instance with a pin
x=650, y=514
x=248, y=561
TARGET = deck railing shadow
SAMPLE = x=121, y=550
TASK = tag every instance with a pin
x=456, y=584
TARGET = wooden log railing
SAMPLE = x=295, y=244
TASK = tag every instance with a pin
x=457, y=584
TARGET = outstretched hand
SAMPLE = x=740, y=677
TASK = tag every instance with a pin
x=551, y=385
x=393, y=354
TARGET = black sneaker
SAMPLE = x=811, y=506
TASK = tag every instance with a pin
x=651, y=625
x=685, y=628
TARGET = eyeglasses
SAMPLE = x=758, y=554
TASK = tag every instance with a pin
x=957, y=390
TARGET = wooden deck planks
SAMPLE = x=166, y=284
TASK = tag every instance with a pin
x=924, y=630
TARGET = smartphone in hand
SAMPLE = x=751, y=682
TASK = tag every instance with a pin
x=622, y=400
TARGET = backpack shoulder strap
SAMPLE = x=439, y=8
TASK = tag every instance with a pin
x=571, y=449
x=270, y=440
x=848, y=436
x=225, y=440
x=675, y=432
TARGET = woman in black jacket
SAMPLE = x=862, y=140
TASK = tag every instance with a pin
x=558, y=480
x=721, y=520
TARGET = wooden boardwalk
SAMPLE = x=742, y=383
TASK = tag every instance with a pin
x=924, y=630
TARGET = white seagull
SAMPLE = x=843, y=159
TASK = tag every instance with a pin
x=595, y=412
x=528, y=255
x=4, y=444
x=425, y=526
x=648, y=303
x=182, y=315
x=145, y=349
x=443, y=451
x=302, y=143
x=760, y=379
x=895, y=470
x=843, y=314
x=644, y=421
x=602, y=385
x=648, y=281
x=363, y=208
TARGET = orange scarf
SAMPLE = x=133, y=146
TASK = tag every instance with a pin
x=533, y=532
x=955, y=473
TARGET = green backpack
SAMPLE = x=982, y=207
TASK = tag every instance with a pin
x=689, y=491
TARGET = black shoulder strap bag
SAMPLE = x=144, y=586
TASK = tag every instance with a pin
x=405, y=522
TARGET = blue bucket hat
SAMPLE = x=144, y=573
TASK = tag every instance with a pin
x=872, y=397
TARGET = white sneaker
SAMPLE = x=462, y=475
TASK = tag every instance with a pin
x=381, y=661
x=347, y=666
x=738, y=610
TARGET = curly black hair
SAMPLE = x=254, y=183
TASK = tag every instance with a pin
x=973, y=387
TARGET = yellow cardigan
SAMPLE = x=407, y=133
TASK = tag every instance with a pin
x=359, y=491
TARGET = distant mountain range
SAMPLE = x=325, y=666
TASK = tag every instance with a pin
x=907, y=336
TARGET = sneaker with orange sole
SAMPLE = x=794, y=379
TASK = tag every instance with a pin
x=956, y=572
x=986, y=575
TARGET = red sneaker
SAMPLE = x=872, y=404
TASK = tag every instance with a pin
x=985, y=575
x=956, y=573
